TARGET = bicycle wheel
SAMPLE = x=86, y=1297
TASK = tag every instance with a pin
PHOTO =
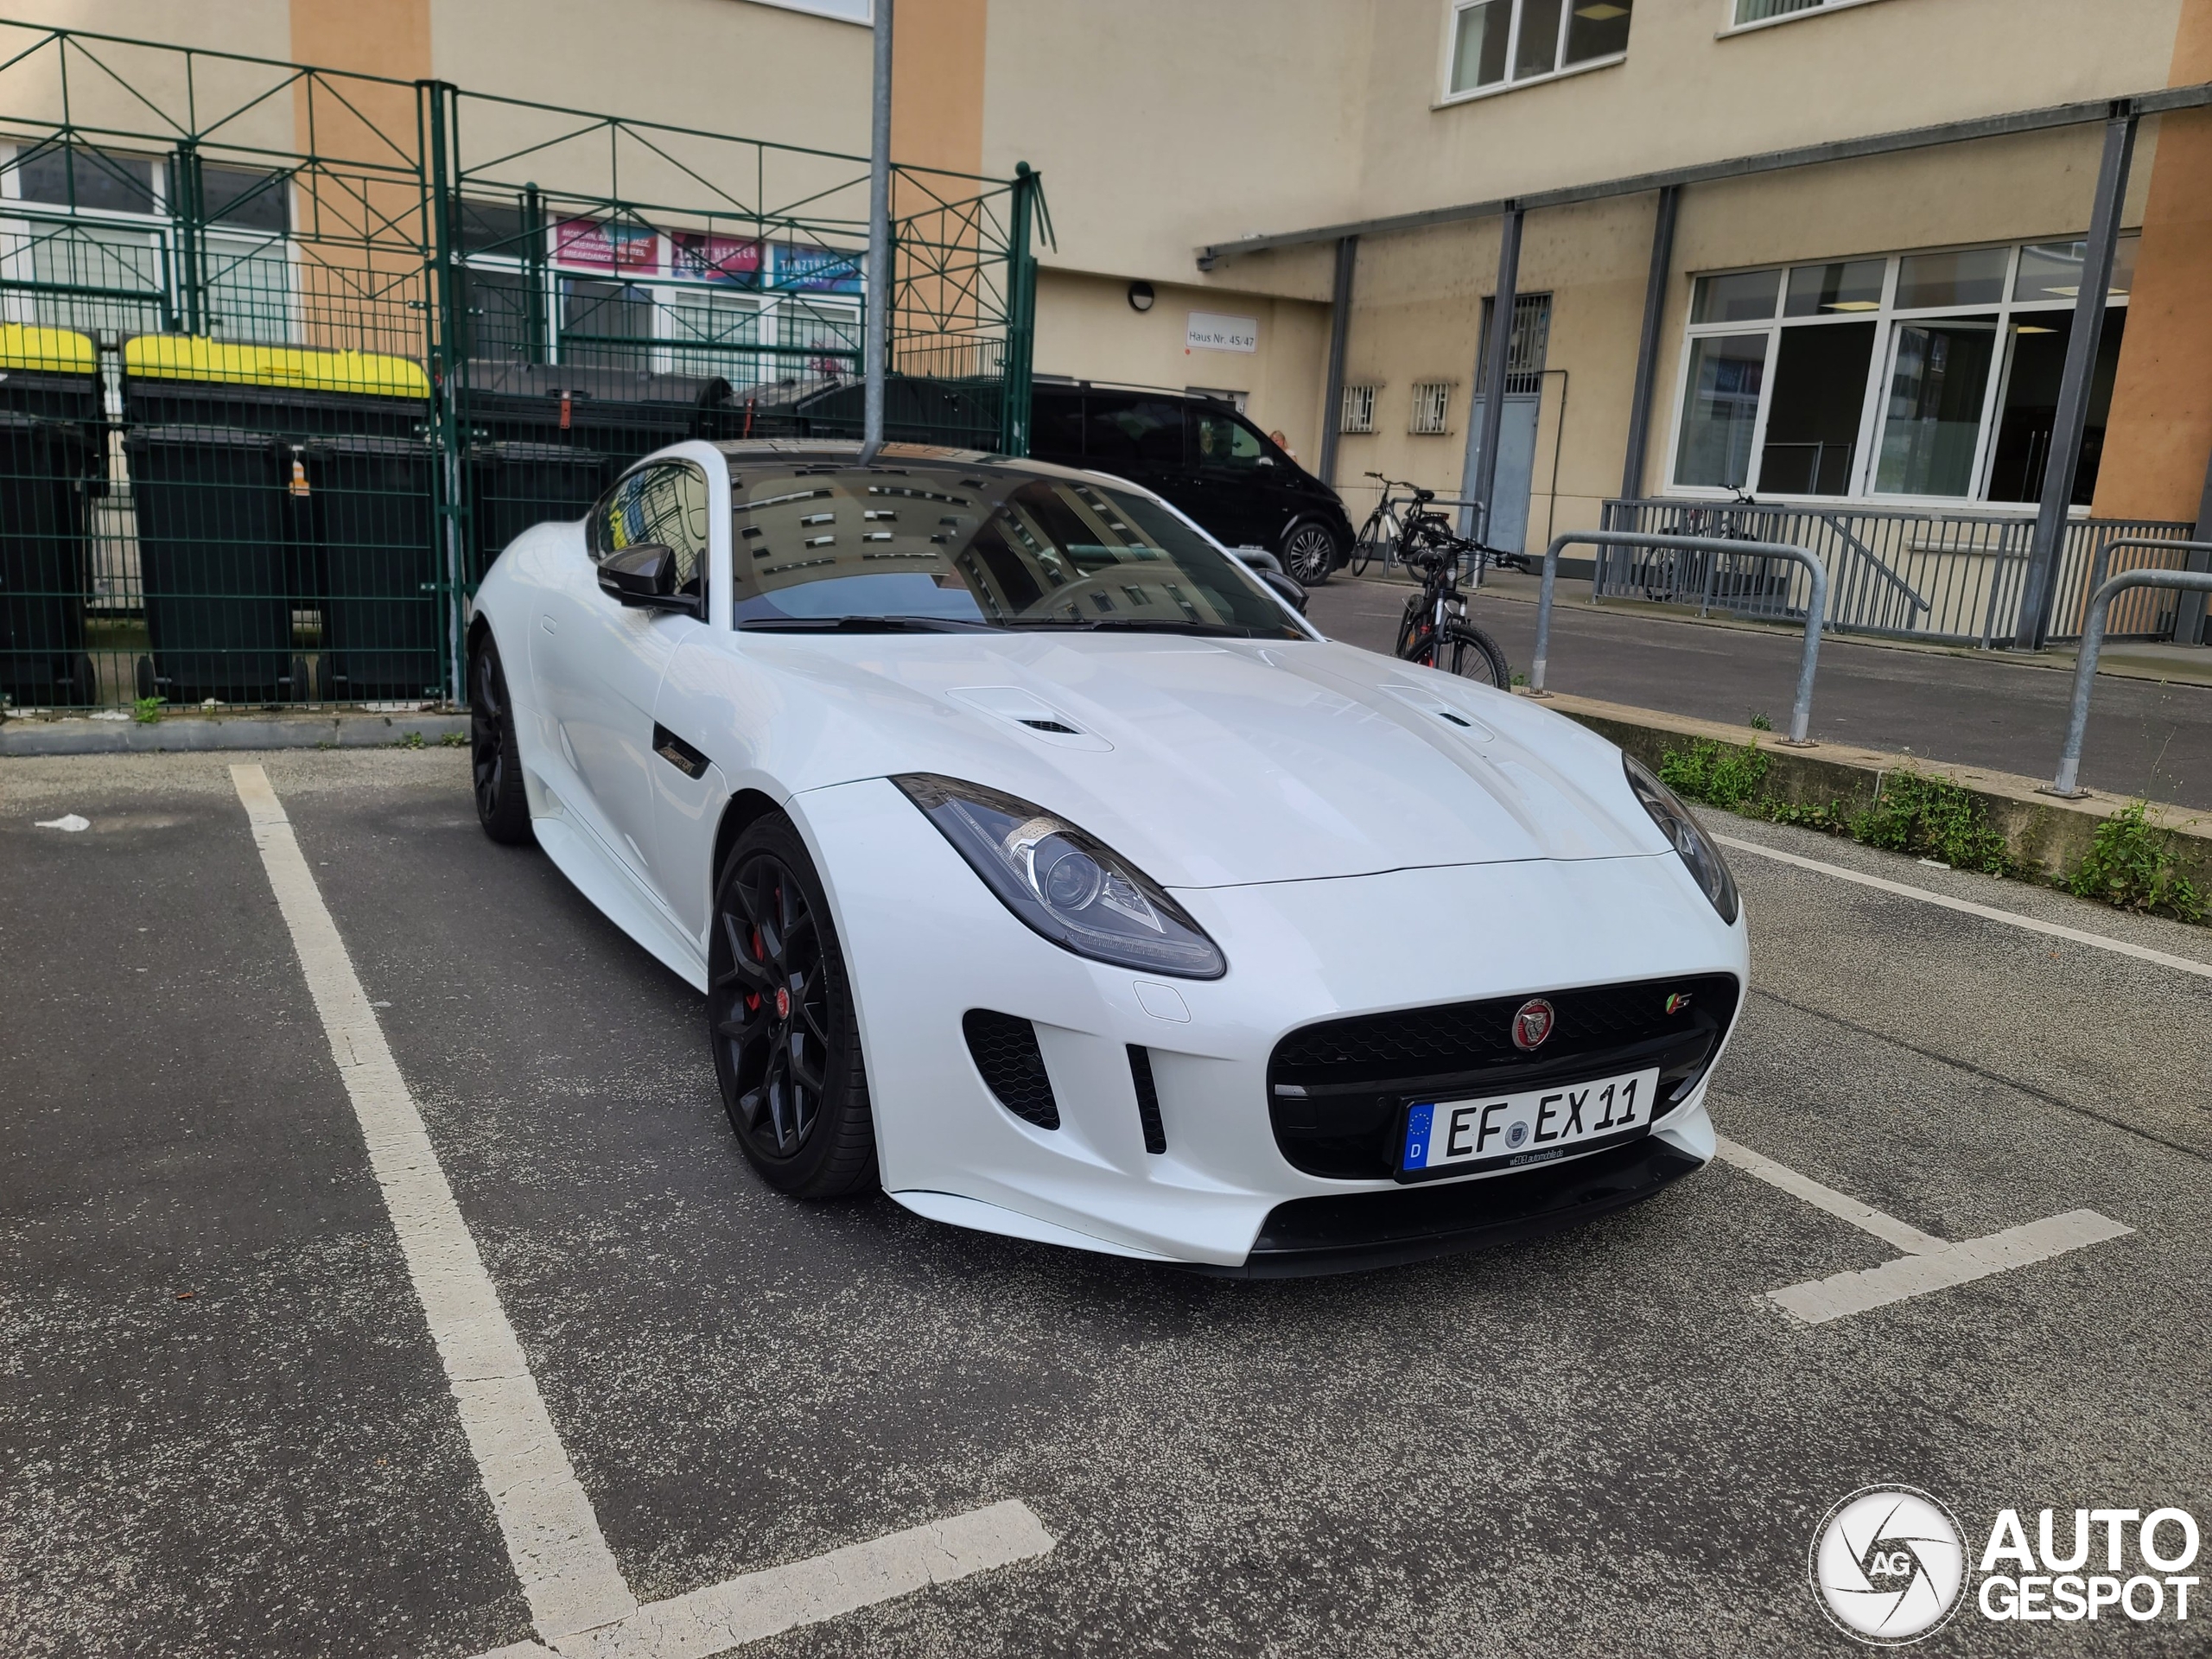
x=1473, y=654
x=1362, y=550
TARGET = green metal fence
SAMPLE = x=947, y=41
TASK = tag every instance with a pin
x=288, y=355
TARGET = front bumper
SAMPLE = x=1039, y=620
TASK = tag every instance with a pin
x=924, y=943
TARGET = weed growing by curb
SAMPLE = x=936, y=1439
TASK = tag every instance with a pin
x=146, y=710
x=1930, y=817
x=412, y=741
x=1933, y=818
x=1734, y=780
x=2132, y=865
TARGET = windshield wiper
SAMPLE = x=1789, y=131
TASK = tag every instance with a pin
x=1138, y=625
x=859, y=624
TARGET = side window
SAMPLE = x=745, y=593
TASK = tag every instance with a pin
x=665, y=504
x=1125, y=429
x=1222, y=440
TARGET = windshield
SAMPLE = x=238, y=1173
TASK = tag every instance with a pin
x=984, y=548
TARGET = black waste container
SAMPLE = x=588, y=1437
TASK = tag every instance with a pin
x=525, y=417
x=45, y=479
x=514, y=484
x=376, y=557
x=52, y=445
x=215, y=525
x=287, y=391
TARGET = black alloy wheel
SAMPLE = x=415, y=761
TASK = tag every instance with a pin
x=1309, y=553
x=501, y=806
x=779, y=1015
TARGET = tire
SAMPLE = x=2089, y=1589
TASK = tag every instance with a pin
x=780, y=1017
x=1362, y=552
x=1309, y=553
x=495, y=767
x=1473, y=654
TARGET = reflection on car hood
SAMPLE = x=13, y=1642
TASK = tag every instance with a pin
x=1210, y=762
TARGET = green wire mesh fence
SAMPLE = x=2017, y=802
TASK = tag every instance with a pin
x=288, y=355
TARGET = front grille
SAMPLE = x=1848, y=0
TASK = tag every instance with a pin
x=1337, y=1090
x=1004, y=1047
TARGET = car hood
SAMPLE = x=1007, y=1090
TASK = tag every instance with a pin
x=1208, y=762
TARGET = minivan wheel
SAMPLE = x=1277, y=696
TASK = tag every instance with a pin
x=1309, y=553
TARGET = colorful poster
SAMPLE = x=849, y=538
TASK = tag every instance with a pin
x=704, y=257
x=817, y=271
x=595, y=245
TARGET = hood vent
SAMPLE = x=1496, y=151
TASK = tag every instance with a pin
x=1019, y=706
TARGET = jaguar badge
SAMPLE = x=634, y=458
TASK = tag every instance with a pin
x=1532, y=1023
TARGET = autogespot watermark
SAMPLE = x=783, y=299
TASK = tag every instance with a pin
x=1890, y=1565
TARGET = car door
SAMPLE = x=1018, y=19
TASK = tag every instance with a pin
x=622, y=652
x=1236, y=478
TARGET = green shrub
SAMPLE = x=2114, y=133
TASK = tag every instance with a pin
x=2132, y=865
x=1715, y=773
x=1933, y=818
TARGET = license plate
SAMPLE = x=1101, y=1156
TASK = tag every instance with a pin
x=1531, y=1127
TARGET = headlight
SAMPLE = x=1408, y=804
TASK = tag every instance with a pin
x=1074, y=890
x=1690, y=840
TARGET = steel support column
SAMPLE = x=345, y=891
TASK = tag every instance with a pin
x=2189, y=616
x=1647, y=345
x=2039, y=592
x=879, y=240
x=447, y=310
x=1332, y=394
x=1501, y=350
x=1020, y=313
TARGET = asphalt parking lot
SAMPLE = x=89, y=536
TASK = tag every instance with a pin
x=225, y=1428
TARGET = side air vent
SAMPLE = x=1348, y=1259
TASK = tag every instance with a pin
x=1005, y=1051
x=1155, y=1132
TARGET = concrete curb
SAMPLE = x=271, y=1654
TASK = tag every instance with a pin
x=2044, y=832
x=179, y=733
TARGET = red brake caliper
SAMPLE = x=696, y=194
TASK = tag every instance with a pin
x=753, y=998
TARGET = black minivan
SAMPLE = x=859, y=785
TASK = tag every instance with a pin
x=1202, y=456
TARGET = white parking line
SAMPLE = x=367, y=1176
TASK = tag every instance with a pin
x=1822, y=1299
x=1888, y=1229
x=1930, y=1263
x=578, y=1599
x=1987, y=913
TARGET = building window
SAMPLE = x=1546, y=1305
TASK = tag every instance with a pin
x=1748, y=12
x=1432, y=410
x=1929, y=376
x=1524, y=352
x=1501, y=43
x=1358, y=413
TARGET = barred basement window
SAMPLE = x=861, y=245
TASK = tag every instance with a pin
x=1358, y=410
x=1432, y=407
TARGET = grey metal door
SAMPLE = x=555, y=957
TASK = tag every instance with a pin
x=1516, y=469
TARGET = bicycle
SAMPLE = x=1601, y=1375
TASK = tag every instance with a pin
x=1381, y=533
x=1435, y=632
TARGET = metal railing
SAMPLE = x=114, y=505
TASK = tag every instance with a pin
x=2067, y=782
x=1952, y=577
x=1801, y=710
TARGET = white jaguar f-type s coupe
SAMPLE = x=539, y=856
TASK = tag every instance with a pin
x=1041, y=865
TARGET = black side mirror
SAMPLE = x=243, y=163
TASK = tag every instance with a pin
x=645, y=575
x=1292, y=594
